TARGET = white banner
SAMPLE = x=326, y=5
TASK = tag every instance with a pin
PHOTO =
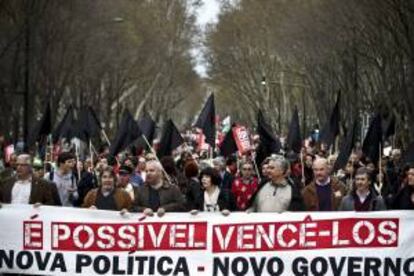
x=68, y=241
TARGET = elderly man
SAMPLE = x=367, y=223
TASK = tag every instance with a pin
x=323, y=193
x=24, y=187
x=157, y=195
x=278, y=194
x=363, y=197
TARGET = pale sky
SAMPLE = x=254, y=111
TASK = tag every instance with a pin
x=207, y=13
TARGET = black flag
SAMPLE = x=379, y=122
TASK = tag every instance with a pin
x=43, y=128
x=207, y=121
x=88, y=124
x=128, y=132
x=228, y=146
x=268, y=143
x=294, y=139
x=346, y=148
x=170, y=139
x=66, y=127
x=408, y=156
x=389, y=129
x=331, y=129
x=147, y=126
x=373, y=140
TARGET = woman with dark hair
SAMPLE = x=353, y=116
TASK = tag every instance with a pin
x=108, y=196
x=213, y=199
x=193, y=185
x=405, y=197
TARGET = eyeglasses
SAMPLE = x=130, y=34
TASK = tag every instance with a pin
x=247, y=169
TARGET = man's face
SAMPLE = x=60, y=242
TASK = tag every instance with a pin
x=153, y=174
x=320, y=170
x=410, y=176
x=68, y=165
x=349, y=168
x=123, y=179
x=217, y=166
x=23, y=168
x=247, y=170
x=275, y=171
x=265, y=170
x=141, y=164
x=362, y=182
x=308, y=161
x=107, y=182
x=39, y=172
x=13, y=160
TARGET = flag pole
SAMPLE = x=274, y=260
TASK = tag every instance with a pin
x=77, y=160
x=156, y=157
x=380, y=169
x=91, y=152
x=106, y=137
x=303, y=168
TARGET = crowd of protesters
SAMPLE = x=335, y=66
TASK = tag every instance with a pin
x=189, y=181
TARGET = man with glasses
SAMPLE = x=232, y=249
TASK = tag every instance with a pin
x=24, y=187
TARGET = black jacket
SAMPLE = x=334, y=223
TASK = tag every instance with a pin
x=225, y=201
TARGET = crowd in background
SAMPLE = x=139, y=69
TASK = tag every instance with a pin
x=192, y=181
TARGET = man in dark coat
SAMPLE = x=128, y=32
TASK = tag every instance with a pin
x=157, y=194
x=24, y=187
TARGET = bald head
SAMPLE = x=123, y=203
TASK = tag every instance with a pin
x=321, y=169
x=154, y=172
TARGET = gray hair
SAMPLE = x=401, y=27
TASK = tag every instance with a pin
x=219, y=161
x=24, y=159
x=281, y=161
x=156, y=164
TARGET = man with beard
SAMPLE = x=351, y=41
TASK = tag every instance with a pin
x=157, y=195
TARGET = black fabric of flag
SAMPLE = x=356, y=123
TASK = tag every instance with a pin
x=294, y=139
x=373, y=140
x=268, y=143
x=408, y=155
x=128, y=132
x=207, y=121
x=88, y=124
x=346, y=148
x=170, y=139
x=228, y=146
x=42, y=129
x=147, y=126
x=389, y=129
x=331, y=128
x=67, y=127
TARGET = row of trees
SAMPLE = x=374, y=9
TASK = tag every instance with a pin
x=274, y=54
x=108, y=54
x=262, y=54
